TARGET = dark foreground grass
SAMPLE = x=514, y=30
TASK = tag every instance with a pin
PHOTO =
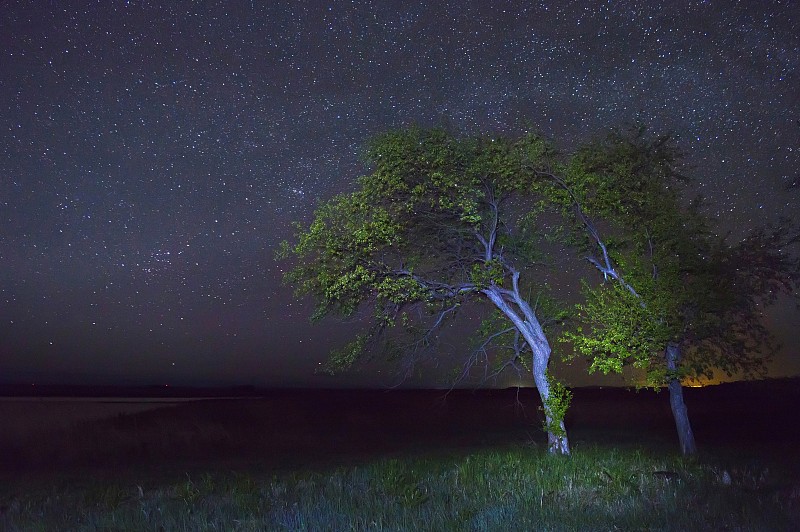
x=517, y=487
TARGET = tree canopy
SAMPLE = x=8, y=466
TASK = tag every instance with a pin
x=440, y=221
x=682, y=302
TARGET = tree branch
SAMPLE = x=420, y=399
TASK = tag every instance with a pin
x=607, y=267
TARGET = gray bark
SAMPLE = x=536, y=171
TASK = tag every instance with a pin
x=526, y=322
x=516, y=309
x=676, y=402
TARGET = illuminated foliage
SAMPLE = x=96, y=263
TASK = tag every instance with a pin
x=677, y=300
x=672, y=279
x=557, y=404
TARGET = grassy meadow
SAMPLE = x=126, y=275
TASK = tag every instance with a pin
x=413, y=460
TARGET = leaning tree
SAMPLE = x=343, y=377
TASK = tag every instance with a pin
x=680, y=302
x=440, y=222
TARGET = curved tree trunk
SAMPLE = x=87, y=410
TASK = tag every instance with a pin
x=531, y=330
x=679, y=411
x=556, y=443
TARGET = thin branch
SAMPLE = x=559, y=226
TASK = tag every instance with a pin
x=481, y=353
x=607, y=268
x=439, y=289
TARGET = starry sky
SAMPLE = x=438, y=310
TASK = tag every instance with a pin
x=153, y=154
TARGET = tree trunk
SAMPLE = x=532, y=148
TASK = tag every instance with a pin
x=531, y=330
x=556, y=443
x=679, y=411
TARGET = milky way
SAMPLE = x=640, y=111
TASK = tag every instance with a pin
x=153, y=154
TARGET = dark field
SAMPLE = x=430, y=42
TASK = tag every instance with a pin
x=289, y=428
x=281, y=457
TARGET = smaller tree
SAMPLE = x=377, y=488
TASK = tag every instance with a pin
x=433, y=227
x=680, y=303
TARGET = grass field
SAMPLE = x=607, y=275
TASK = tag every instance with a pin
x=413, y=461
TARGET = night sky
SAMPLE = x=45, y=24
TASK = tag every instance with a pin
x=153, y=154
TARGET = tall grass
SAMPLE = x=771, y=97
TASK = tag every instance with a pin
x=518, y=487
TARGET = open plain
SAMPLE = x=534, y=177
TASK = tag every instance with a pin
x=384, y=460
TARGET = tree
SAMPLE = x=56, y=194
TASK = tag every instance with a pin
x=681, y=302
x=440, y=222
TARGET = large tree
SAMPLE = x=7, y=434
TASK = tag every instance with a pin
x=440, y=221
x=679, y=301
